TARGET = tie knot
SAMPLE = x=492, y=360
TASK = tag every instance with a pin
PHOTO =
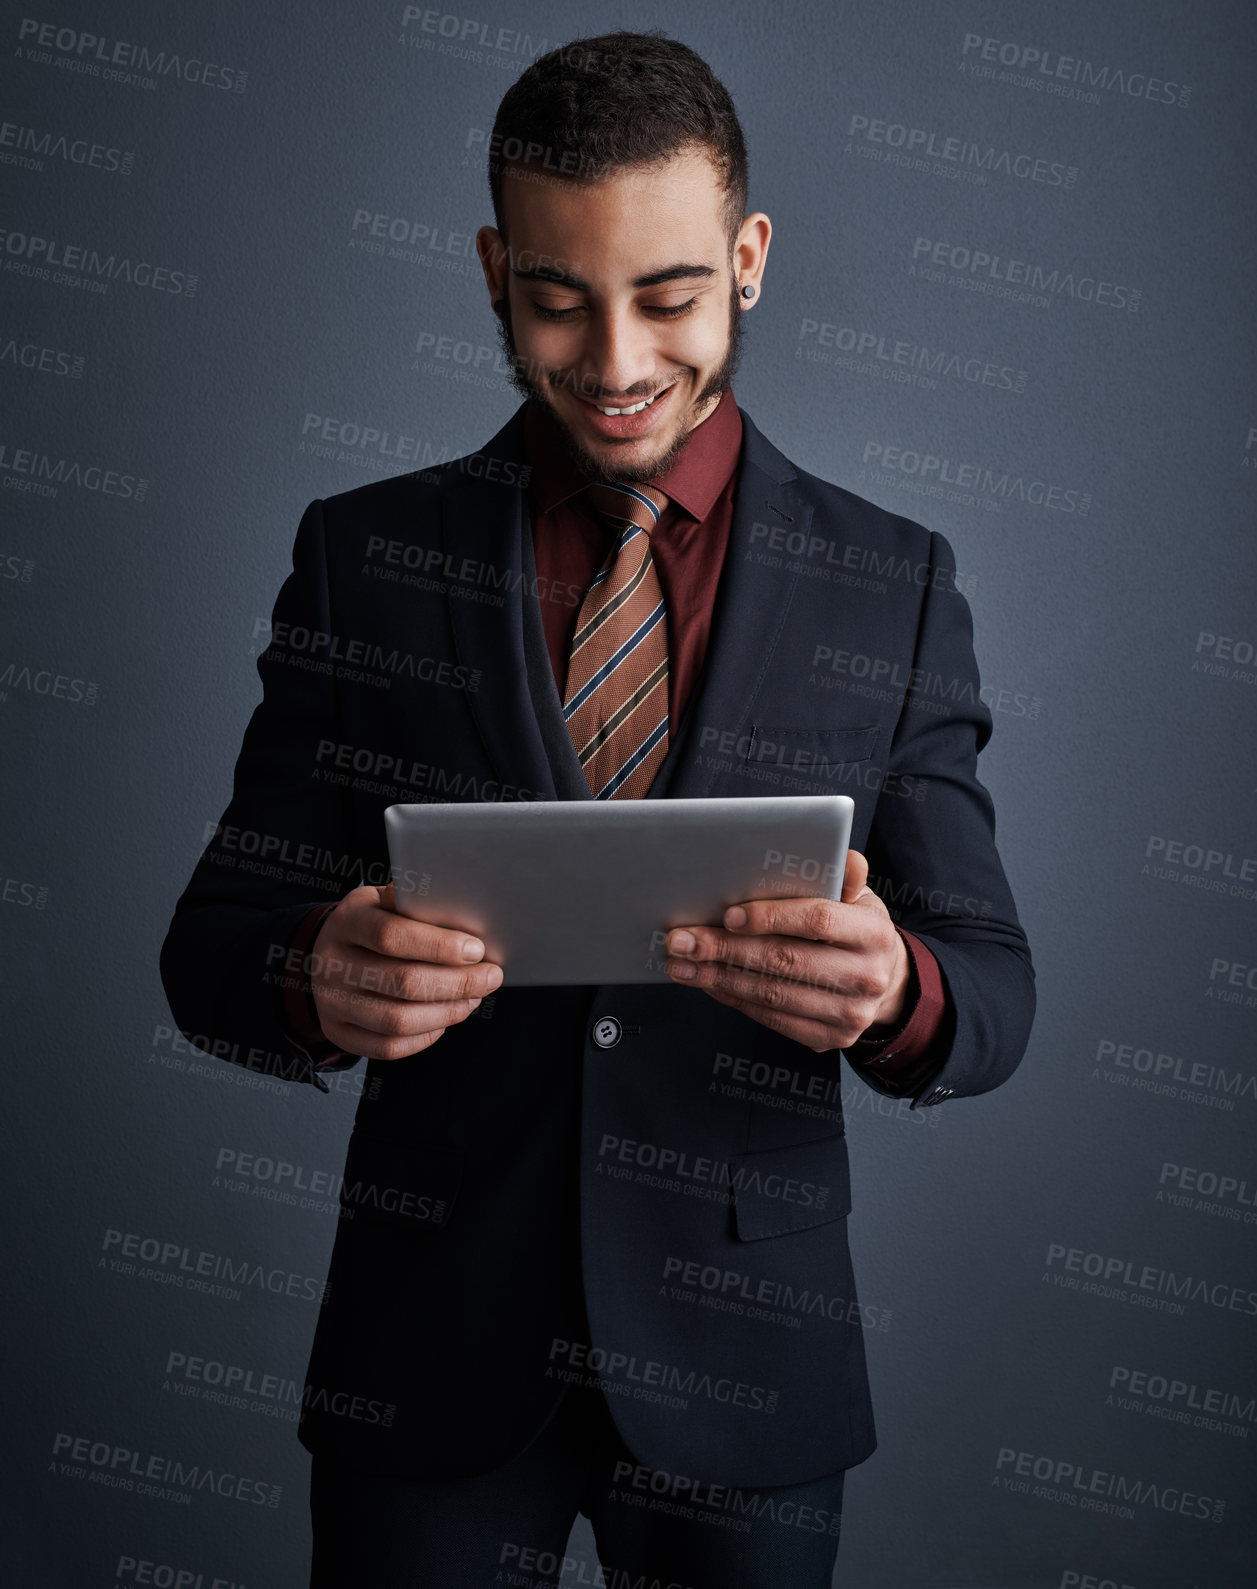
x=624, y=502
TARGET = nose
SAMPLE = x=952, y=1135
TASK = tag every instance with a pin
x=618, y=358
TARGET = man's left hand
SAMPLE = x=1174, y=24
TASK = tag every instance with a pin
x=821, y=971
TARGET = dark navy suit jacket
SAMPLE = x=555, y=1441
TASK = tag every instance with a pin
x=523, y=1205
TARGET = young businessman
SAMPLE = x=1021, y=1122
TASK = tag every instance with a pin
x=594, y=1254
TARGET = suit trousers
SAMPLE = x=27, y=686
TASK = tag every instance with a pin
x=510, y=1526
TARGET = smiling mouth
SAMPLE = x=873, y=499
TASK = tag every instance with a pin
x=635, y=408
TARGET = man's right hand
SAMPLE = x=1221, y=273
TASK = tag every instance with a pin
x=387, y=986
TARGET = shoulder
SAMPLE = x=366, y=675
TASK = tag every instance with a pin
x=835, y=510
x=426, y=487
x=500, y=464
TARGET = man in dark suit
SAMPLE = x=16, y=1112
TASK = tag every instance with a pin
x=593, y=1255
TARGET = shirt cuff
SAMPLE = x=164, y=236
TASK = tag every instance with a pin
x=299, y=1011
x=898, y=1062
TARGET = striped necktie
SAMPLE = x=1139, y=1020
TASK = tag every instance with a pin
x=616, y=694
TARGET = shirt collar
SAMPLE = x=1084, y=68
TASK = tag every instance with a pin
x=694, y=481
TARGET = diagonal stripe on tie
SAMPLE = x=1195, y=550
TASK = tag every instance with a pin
x=640, y=756
x=592, y=625
x=621, y=713
x=616, y=692
x=615, y=661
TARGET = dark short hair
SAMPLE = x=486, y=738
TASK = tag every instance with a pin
x=595, y=106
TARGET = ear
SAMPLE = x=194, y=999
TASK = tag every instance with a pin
x=493, y=261
x=750, y=255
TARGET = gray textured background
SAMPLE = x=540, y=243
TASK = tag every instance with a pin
x=1116, y=645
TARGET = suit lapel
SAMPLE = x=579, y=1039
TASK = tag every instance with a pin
x=565, y=769
x=518, y=711
x=482, y=518
x=752, y=604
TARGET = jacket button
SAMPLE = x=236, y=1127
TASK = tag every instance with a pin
x=607, y=1031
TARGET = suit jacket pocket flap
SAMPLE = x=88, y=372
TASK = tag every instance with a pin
x=399, y=1184
x=790, y=1188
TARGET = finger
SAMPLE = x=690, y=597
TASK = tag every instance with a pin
x=390, y=1029
x=826, y=998
x=793, y=954
x=816, y=1035
x=388, y=932
x=412, y=981
x=855, y=876
x=819, y=919
x=359, y=1040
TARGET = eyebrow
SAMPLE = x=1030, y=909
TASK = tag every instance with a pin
x=656, y=278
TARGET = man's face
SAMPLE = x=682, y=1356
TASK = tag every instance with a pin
x=618, y=292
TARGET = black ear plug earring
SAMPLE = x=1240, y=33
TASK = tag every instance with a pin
x=498, y=305
x=748, y=291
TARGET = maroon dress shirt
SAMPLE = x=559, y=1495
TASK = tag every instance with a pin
x=688, y=546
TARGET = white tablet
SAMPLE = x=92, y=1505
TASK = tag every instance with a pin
x=585, y=891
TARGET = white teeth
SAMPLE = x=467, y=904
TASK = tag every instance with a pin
x=635, y=410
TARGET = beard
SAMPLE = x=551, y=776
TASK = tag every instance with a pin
x=591, y=466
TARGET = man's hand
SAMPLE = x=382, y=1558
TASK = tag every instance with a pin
x=387, y=986
x=821, y=971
